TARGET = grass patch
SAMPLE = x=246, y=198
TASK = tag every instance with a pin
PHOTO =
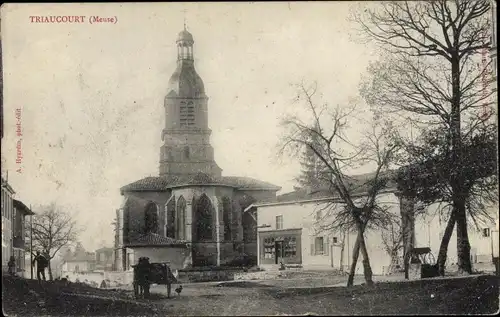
x=472, y=295
x=23, y=297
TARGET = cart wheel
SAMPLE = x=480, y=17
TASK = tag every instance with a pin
x=433, y=259
x=429, y=259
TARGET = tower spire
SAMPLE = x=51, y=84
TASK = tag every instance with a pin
x=185, y=29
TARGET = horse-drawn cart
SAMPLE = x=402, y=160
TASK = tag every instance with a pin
x=146, y=273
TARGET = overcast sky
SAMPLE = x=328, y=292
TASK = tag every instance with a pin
x=91, y=95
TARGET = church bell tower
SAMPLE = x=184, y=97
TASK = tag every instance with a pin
x=186, y=148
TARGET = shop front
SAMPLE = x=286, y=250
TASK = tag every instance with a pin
x=280, y=246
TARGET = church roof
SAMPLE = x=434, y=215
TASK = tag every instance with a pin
x=185, y=36
x=185, y=82
x=162, y=183
x=153, y=239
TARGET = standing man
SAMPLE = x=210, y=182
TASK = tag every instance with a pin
x=41, y=264
x=12, y=265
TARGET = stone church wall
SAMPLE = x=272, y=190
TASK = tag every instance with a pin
x=136, y=215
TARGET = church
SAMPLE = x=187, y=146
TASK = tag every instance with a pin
x=190, y=215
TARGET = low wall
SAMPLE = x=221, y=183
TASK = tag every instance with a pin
x=193, y=276
x=87, y=278
x=112, y=278
x=262, y=275
x=119, y=277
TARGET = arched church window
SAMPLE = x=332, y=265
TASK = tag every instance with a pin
x=203, y=214
x=181, y=219
x=186, y=152
x=187, y=114
x=151, y=218
x=170, y=217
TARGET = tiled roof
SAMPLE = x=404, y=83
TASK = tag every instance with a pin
x=358, y=186
x=242, y=182
x=20, y=205
x=153, y=239
x=151, y=183
x=161, y=183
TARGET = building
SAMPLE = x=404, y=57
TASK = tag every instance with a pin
x=19, y=236
x=7, y=222
x=293, y=230
x=190, y=214
x=104, y=259
x=14, y=214
x=78, y=261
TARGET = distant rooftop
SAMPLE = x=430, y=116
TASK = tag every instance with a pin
x=357, y=184
x=21, y=206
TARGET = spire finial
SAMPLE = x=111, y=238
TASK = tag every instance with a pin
x=185, y=20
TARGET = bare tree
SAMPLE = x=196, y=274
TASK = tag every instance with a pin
x=326, y=137
x=432, y=76
x=53, y=229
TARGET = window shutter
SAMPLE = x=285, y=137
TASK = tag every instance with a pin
x=313, y=251
x=326, y=247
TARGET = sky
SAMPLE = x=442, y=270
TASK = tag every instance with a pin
x=90, y=96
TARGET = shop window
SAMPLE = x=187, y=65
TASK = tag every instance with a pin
x=269, y=248
x=290, y=247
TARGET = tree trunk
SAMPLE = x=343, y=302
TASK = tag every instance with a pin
x=342, y=252
x=367, y=270
x=355, y=255
x=407, y=210
x=445, y=240
x=463, y=245
x=457, y=179
x=50, y=272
